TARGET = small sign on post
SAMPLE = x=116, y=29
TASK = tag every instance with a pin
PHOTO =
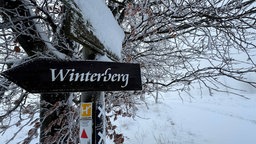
x=86, y=123
x=85, y=131
x=86, y=111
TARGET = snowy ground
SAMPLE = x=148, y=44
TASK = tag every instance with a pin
x=222, y=119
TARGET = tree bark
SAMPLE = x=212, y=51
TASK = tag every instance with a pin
x=29, y=39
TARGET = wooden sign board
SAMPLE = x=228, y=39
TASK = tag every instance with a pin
x=49, y=75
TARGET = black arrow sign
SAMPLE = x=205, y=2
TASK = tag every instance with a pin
x=48, y=75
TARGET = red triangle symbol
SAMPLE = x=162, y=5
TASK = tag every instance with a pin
x=84, y=135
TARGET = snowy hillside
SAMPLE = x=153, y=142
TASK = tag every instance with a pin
x=222, y=119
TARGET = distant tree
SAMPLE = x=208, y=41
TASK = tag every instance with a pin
x=178, y=44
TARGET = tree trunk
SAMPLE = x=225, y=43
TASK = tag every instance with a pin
x=30, y=41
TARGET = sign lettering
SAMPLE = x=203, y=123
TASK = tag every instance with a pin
x=72, y=76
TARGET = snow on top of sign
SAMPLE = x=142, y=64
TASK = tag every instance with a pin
x=105, y=26
x=102, y=58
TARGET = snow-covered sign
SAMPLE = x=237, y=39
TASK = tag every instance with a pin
x=105, y=26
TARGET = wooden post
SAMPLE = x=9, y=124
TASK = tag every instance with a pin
x=98, y=134
x=97, y=99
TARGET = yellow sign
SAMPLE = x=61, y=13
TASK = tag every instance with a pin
x=86, y=110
